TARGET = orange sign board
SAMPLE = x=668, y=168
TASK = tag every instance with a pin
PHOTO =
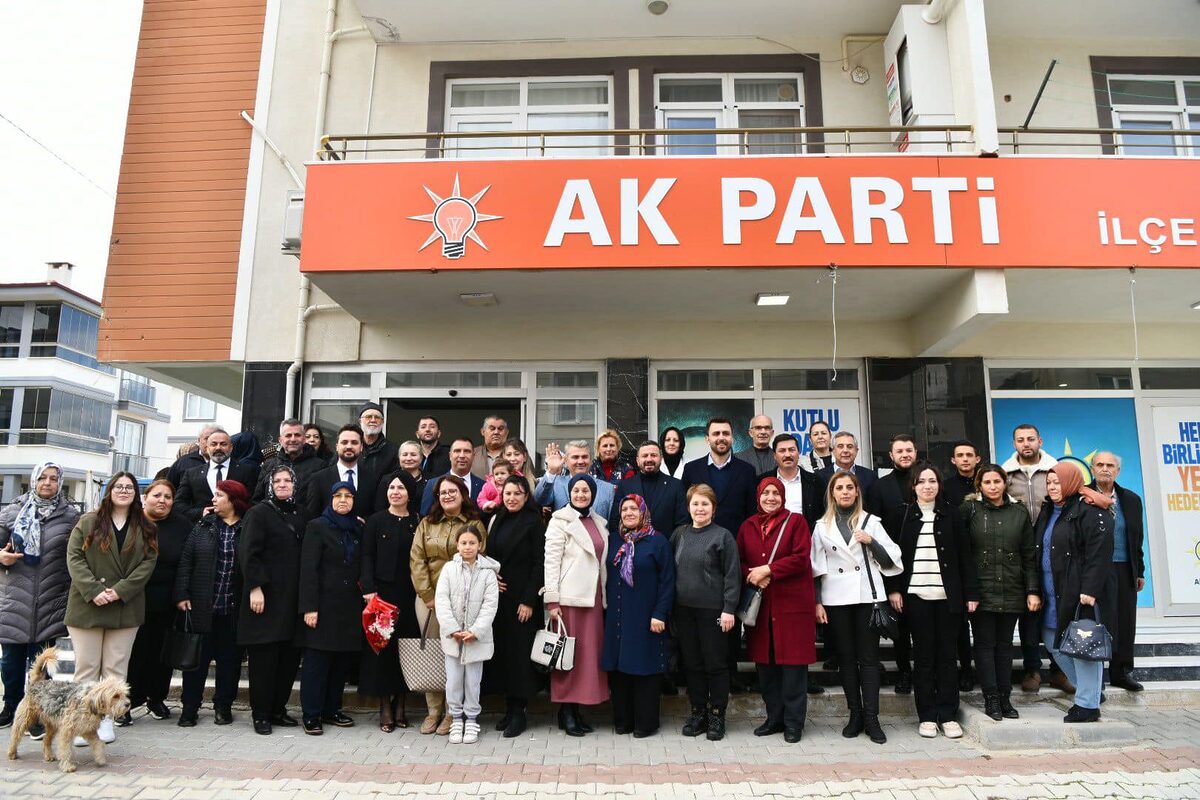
x=771, y=211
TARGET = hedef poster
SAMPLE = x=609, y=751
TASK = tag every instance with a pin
x=1177, y=460
x=1075, y=429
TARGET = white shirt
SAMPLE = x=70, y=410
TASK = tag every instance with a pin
x=793, y=497
x=212, y=473
x=344, y=470
x=728, y=461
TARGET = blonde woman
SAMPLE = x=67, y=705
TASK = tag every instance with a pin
x=611, y=464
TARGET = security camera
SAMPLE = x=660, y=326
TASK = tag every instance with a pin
x=453, y=392
x=658, y=7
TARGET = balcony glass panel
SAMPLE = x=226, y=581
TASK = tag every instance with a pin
x=771, y=143
x=1128, y=92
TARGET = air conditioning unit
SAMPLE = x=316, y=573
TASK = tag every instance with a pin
x=293, y=222
x=920, y=91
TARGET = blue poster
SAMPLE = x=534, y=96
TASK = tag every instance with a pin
x=1075, y=429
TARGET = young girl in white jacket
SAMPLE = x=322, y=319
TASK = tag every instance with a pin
x=466, y=601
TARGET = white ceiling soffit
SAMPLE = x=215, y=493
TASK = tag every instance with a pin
x=1095, y=19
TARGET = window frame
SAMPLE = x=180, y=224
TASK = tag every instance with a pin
x=728, y=109
x=1179, y=114
x=187, y=417
x=1104, y=68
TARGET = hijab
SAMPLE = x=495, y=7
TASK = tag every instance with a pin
x=591, y=482
x=1070, y=477
x=768, y=523
x=630, y=537
x=286, y=506
x=345, y=524
x=246, y=448
x=27, y=529
x=671, y=462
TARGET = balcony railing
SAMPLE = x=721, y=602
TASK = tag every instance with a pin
x=129, y=462
x=1100, y=141
x=138, y=392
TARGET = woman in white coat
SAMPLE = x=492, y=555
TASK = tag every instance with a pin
x=576, y=546
x=851, y=554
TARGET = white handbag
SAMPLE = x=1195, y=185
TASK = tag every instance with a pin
x=553, y=649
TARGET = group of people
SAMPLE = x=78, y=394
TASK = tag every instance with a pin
x=650, y=565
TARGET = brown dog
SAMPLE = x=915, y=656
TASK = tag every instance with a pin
x=66, y=710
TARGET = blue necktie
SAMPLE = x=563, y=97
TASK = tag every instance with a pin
x=350, y=479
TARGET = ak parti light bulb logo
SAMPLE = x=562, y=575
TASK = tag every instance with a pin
x=454, y=219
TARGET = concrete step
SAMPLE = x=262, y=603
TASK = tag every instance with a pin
x=1041, y=725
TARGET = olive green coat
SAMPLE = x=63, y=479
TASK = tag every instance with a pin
x=93, y=571
x=433, y=545
x=1005, y=551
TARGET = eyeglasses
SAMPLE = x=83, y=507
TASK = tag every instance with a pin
x=123, y=489
x=450, y=493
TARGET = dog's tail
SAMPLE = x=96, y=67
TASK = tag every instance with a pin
x=39, y=671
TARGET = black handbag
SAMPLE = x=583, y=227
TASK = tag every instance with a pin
x=181, y=649
x=883, y=619
x=1087, y=639
x=751, y=600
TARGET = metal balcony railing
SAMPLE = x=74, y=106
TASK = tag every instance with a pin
x=1100, y=141
x=138, y=392
x=130, y=462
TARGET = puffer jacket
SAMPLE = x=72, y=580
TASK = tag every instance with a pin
x=1005, y=552
x=433, y=547
x=474, y=611
x=196, y=576
x=33, y=598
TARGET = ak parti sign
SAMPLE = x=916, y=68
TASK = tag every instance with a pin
x=771, y=211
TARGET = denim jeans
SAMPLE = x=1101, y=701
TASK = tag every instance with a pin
x=14, y=666
x=1088, y=676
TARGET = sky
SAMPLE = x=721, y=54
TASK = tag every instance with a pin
x=67, y=67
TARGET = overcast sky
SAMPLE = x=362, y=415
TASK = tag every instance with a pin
x=66, y=67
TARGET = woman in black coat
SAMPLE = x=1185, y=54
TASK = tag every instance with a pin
x=517, y=539
x=331, y=603
x=937, y=586
x=149, y=674
x=387, y=542
x=267, y=618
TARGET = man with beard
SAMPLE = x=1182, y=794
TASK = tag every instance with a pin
x=462, y=453
x=801, y=495
x=192, y=459
x=200, y=482
x=759, y=454
x=435, y=456
x=294, y=452
x=495, y=434
x=347, y=468
x=379, y=456
x=663, y=494
x=965, y=458
x=731, y=478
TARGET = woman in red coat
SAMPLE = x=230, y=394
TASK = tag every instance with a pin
x=783, y=642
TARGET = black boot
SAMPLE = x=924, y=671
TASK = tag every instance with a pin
x=696, y=723
x=508, y=709
x=568, y=721
x=1006, y=707
x=716, y=724
x=583, y=723
x=516, y=720
x=874, y=729
x=854, y=726
x=991, y=706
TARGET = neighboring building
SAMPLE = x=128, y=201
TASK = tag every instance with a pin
x=580, y=215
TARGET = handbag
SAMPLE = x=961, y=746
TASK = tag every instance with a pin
x=1087, y=639
x=553, y=649
x=422, y=662
x=751, y=600
x=882, y=619
x=181, y=648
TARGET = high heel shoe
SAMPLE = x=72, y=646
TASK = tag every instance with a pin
x=398, y=712
x=387, y=717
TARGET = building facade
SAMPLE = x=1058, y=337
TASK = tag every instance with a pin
x=582, y=215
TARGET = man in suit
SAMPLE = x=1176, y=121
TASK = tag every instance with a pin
x=494, y=433
x=462, y=453
x=192, y=459
x=845, y=453
x=551, y=489
x=435, y=456
x=348, y=468
x=801, y=495
x=759, y=454
x=198, y=484
x=732, y=479
x=663, y=494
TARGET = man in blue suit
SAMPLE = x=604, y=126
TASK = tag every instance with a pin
x=551, y=488
x=663, y=494
x=732, y=479
x=462, y=455
x=845, y=451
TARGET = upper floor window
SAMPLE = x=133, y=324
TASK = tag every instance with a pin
x=698, y=102
x=1161, y=103
x=63, y=419
x=529, y=104
x=10, y=330
x=62, y=331
x=197, y=408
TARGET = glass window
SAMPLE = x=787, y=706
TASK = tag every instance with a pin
x=731, y=101
x=1191, y=93
x=563, y=420
x=35, y=412
x=62, y=331
x=484, y=95
x=806, y=380
x=6, y=409
x=10, y=330
x=454, y=380
x=341, y=380
x=1142, y=92
x=64, y=419
x=564, y=380
x=330, y=417
x=691, y=144
x=197, y=408
x=1158, y=103
x=772, y=143
x=766, y=90
x=1148, y=144
x=691, y=416
x=1060, y=378
x=136, y=389
x=45, y=322
x=705, y=380
x=690, y=90
x=130, y=437
x=568, y=93
x=1170, y=377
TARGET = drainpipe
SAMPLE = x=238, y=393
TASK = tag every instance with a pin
x=935, y=11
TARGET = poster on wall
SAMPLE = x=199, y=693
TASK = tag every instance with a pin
x=794, y=416
x=1177, y=461
x=1075, y=429
x=692, y=416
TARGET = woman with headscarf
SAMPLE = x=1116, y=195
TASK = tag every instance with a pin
x=576, y=547
x=387, y=543
x=775, y=551
x=517, y=539
x=149, y=675
x=267, y=618
x=641, y=591
x=208, y=585
x=331, y=604
x=34, y=530
x=672, y=448
x=246, y=448
x=1075, y=546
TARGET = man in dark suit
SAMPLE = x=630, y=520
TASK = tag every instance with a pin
x=663, y=494
x=348, y=467
x=845, y=453
x=731, y=478
x=198, y=483
x=801, y=495
x=193, y=459
x=462, y=456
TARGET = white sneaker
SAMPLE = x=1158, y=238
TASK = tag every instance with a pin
x=470, y=732
x=456, y=732
x=106, y=732
x=79, y=741
x=929, y=730
x=952, y=730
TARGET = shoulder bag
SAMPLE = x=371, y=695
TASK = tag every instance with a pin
x=422, y=662
x=1087, y=639
x=181, y=648
x=751, y=600
x=883, y=619
x=553, y=649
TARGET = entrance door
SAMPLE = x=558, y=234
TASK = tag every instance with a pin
x=457, y=416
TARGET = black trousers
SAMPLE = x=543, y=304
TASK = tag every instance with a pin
x=704, y=651
x=149, y=677
x=858, y=656
x=219, y=645
x=902, y=647
x=935, y=628
x=272, y=672
x=635, y=700
x=964, y=644
x=323, y=682
x=994, y=650
x=15, y=661
x=784, y=690
x=1031, y=640
x=1126, y=632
